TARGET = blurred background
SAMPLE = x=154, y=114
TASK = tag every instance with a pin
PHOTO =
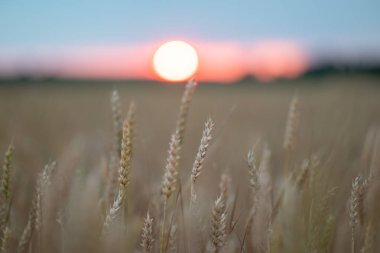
x=116, y=40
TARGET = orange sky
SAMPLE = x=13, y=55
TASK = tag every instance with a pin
x=218, y=61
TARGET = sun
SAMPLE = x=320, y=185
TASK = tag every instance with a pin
x=175, y=61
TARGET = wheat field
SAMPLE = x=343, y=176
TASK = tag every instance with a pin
x=288, y=166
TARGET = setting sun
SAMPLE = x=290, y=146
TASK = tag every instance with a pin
x=175, y=61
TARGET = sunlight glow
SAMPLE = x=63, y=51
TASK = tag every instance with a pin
x=269, y=60
x=175, y=61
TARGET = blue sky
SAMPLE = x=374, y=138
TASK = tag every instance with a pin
x=40, y=23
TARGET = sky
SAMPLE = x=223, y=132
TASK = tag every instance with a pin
x=58, y=32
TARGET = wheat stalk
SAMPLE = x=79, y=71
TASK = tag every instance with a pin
x=327, y=233
x=291, y=131
x=126, y=156
x=169, y=180
x=219, y=228
x=171, y=169
x=199, y=159
x=117, y=121
x=31, y=225
x=303, y=174
x=291, y=125
x=195, y=173
x=7, y=168
x=264, y=168
x=184, y=108
x=354, y=207
x=172, y=243
x=254, y=173
x=124, y=174
x=118, y=136
x=4, y=239
x=218, y=225
x=114, y=210
x=254, y=183
x=112, y=172
x=5, y=189
x=46, y=175
x=224, y=188
x=131, y=118
x=368, y=239
x=26, y=236
x=42, y=187
x=147, y=234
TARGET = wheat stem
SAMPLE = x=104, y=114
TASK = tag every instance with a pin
x=162, y=237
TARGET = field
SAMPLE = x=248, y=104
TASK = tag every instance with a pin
x=317, y=206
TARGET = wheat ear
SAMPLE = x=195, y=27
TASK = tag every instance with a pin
x=195, y=173
x=7, y=168
x=124, y=174
x=254, y=183
x=112, y=172
x=4, y=240
x=224, y=188
x=147, y=234
x=218, y=225
x=126, y=157
x=131, y=118
x=254, y=175
x=117, y=121
x=264, y=168
x=353, y=209
x=31, y=225
x=171, y=169
x=169, y=180
x=303, y=173
x=291, y=131
x=199, y=159
x=42, y=187
x=5, y=189
x=184, y=108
